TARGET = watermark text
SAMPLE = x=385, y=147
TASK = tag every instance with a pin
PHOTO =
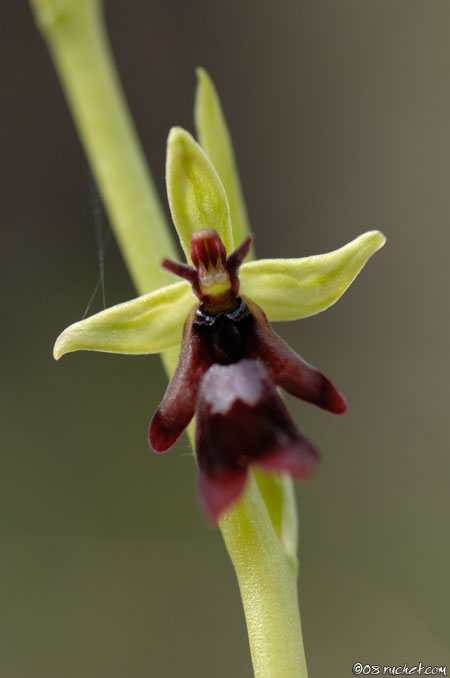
x=360, y=669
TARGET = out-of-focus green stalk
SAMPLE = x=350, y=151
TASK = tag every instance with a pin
x=75, y=34
x=263, y=556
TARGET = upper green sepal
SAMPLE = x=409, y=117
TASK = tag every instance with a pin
x=148, y=324
x=196, y=195
x=215, y=139
x=289, y=289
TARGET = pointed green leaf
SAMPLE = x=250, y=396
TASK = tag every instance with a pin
x=148, y=324
x=288, y=289
x=196, y=196
x=214, y=137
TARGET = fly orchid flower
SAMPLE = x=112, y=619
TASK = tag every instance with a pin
x=231, y=360
x=230, y=363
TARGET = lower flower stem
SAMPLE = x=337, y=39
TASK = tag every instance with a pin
x=260, y=532
x=267, y=578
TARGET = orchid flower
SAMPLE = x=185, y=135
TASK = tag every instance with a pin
x=231, y=360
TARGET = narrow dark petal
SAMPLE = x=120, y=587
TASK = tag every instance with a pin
x=217, y=494
x=290, y=371
x=234, y=261
x=181, y=270
x=178, y=405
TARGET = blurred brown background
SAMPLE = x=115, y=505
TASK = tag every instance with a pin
x=340, y=116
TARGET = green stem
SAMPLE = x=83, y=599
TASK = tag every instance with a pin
x=267, y=576
x=260, y=531
x=75, y=34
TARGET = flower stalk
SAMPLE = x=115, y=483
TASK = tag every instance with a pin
x=75, y=34
x=266, y=566
x=260, y=531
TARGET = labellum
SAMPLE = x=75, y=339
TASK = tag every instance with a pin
x=230, y=366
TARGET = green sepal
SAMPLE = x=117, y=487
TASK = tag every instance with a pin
x=197, y=198
x=279, y=498
x=215, y=139
x=148, y=324
x=289, y=289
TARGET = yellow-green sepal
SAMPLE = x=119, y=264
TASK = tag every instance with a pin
x=279, y=498
x=289, y=289
x=215, y=139
x=196, y=195
x=148, y=324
